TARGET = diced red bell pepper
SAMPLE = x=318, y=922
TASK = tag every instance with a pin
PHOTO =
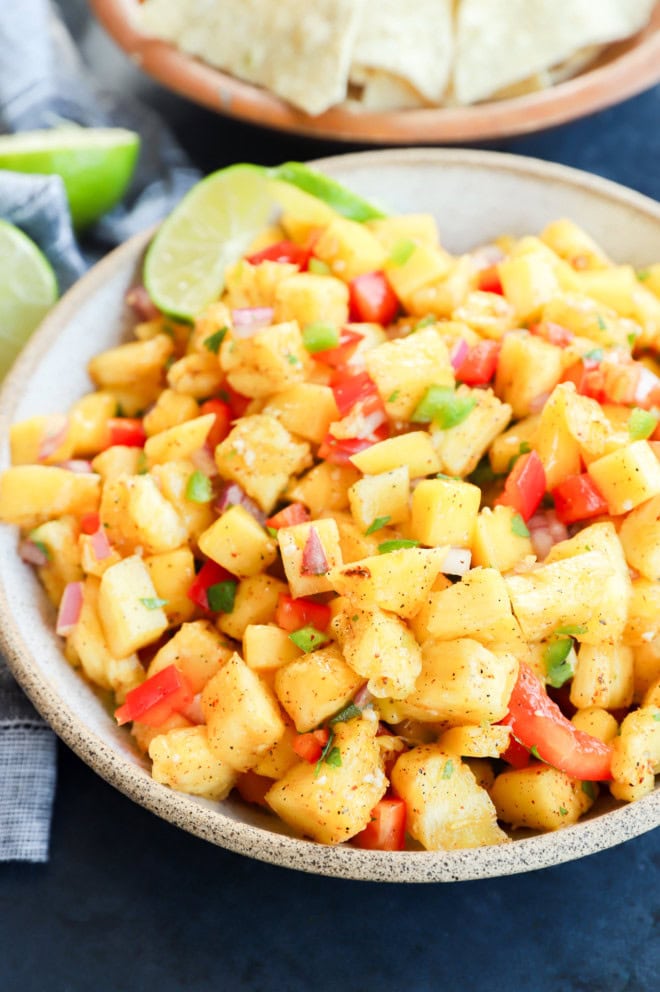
x=253, y=788
x=578, y=498
x=294, y=513
x=209, y=575
x=237, y=402
x=127, y=431
x=90, y=523
x=153, y=702
x=554, y=333
x=525, y=485
x=282, y=251
x=479, y=365
x=386, y=830
x=292, y=614
x=352, y=388
x=372, y=299
x=537, y=722
x=310, y=746
x=336, y=357
x=489, y=281
x=339, y=451
x=221, y=426
x=516, y=754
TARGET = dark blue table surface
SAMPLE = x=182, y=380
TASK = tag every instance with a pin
x=128, y=902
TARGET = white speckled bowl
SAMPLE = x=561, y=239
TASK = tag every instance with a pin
x=475, y=195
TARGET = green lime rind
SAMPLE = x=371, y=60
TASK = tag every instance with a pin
x=342, y=200
x=28, y=289
x=96, y=164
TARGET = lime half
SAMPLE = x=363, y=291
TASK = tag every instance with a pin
x=212, y=226
x=340, y=199
x=28, y=289
x=96, y=164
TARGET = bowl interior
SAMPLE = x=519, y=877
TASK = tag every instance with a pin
x=475, y=196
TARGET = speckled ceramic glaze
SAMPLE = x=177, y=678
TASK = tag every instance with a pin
x=475, y=196
x=621, y=70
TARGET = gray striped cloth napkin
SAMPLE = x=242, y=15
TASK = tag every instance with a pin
x=43, y=82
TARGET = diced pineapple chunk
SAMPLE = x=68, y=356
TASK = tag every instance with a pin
x=100, y=664
x=528, y=368
x=197, y=650
x=128, y=608
x=414, y=450
x=643, y=624
x=636, y=758
x=444, y=511
x=446, y=808
x=554, y=441
x=513, y=442
x=587, y=318
x=381, y=497
x=238, y=543
x=461, y=447
x=397, y=581
x=88, y=422
x=255, y=602
x=266, y=648
x=45, y=439
x=496, y=542
x=179, y=441
x=261, y=455
x=379, y=647
x=324, y=489
x=135, y=514
x=59, y=539
x=131, y=363
x=539, y=797
x=640, y=536
x=462, y=682
x=419, y=228
x=424, y=265
x=172, y=573
x=571, y=243
x=597, y=722
x=242, y=715
x=308, y=298
x=403, y=369
x=478, y=606
x=119, y=460
x=248, y=285
x=529, y=279
x=627, y=477
x=476, y=742
x=267, y=362
x=349, y=248
x=304, y=577
x=335, y=804
x=32, y=494
x=488, y=313
x=183, y=760
x=603, y=676
x=306, y=409
x=316, y=686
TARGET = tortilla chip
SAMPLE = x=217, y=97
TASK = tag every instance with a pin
x=382, y=91
x=411, y=39
x=298, y=49
x=500, y=42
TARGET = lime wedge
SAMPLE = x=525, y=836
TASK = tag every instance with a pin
x=209, y=229
x=220, y=217
x=328, y=190
x=28, y=289
x=96, y=164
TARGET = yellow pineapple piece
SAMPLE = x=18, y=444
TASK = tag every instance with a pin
x=238, y=543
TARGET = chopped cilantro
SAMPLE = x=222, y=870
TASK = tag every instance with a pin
x=643, y=274
x=377, y=524
x=199, y=488
x=642, y=424
x=153, y=602
x=402, y=251
x=563, y=811
x=396, y=545
x=213, y=342
x=448, y=770
x=309, y=638
x=333, y=758
x=222, y=595
x=347, y=713
x=589, y=789
x=601, y=323
x=292, y=359
x=330, y=755
x=393, y=396
x=518, y=526
x=632, y=337
x=427, y=321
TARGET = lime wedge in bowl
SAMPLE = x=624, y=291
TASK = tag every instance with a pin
x=28, y=289
x=96, y=164
x=218, y=219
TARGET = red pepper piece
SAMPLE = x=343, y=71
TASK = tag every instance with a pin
x=578, y=498
x=537, y=722
x=292, y=614
x=310, y=746
x=339, y=451
x=90, y=523
x=386, y=830
x=489, y=281
x=153, y=702
x=372, y=299
x=480, y=364
x=222, y=424
x=294, y=513
x=282, y=251
x=554, y=333
x=127, y=431
x=209, y=575
x=336, y=357
x=525, y=485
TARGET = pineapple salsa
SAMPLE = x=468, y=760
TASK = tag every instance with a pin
x=375, y=541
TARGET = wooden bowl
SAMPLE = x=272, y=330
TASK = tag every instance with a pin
x=475, y=195
x=623, y=69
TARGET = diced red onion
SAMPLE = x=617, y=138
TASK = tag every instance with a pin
x=193, y=711
x=79, y=465
x=54, y=435
x=363, y=697
x=459, y=353
x=144, y=307
x=545, y=530
x=32, y=553
x=234, y=495
x=457, y=561
x=100, y=544
x=314, y=560
x=248, y=320
x=203, y=460
x=537, y=404
x=70, y=607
